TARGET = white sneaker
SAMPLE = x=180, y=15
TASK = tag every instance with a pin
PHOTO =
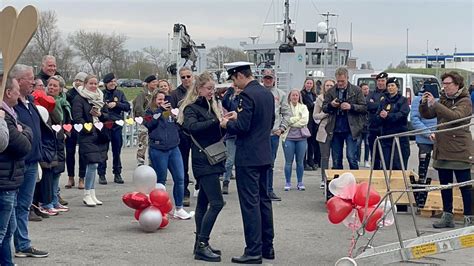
x=367, y=164
x=322, y=185
x=196, y=193
x=182, y=214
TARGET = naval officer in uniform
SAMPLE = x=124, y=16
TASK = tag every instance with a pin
x=252, y=124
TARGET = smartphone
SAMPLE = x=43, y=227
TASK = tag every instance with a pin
x=168, y=98
x=431, y=88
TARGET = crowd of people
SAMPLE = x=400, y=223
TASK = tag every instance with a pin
x=313, y=123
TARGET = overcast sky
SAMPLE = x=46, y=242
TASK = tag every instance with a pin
x=379, y=26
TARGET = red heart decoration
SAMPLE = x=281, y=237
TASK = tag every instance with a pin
x=137, y=214
x=109, y=124
x=338, y=209
x=148, y=118
x=164, y=221
x=136, y=200
x=159, y=197
x=67, y=127
x=371, y=224
x=361, y=193
x=166, y=208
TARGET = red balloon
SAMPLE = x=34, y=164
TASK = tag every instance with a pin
x=166, y=208
x=338, y=209
x=361, y=195
x=159, y=197
x=137, y=214
x=164, y=221
x=136, y=200
x=371, y=224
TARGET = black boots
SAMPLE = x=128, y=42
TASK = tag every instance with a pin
x=225, y=187
x=118, y=179
x=102, y=180
x=203, y=252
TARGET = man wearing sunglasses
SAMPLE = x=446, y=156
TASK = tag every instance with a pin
x=187, y=80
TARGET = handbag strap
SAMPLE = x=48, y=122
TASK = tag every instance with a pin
x=195, y=142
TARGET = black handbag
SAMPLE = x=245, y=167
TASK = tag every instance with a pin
x=215, y=153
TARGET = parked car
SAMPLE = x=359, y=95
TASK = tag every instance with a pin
x=133, y=83
x=120, y=82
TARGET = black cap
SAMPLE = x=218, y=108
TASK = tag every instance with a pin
x=150, y=78
x=235, y=67
x=393, y=80
x=381, y=75
x=108, y=78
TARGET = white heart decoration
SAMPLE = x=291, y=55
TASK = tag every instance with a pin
x=56, y=128
x=99, y=125
x=344, y=186
x=78, y=127
x=120, y=122
x=139, y=120
x=156, y=116
x=175, y=111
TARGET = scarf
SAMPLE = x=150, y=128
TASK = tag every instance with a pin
x=94, y=98
x=9, y=110
x=62, y=105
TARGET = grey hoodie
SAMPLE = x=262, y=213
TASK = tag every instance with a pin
x=282, y=109
x=4, y=136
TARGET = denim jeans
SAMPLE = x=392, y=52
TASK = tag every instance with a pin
x=294, y=149
x=337, y=146
x=91, y=169
x=162, y=160
x=23, y=204
x=229, y=163
x=7, y=225
x=364, y=138
x=55, y=191
x=274, y=141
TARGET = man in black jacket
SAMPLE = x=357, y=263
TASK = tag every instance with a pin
x=117, y=104
x=11, y=168
x=48, y=68
x=373, y=101
x=187, y=79
x=252, y=123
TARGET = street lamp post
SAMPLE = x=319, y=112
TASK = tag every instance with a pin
x=437, y=65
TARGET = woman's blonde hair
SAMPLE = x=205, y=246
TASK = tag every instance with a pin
x=323, y=88
x=193, y=94
x=299, y=94
x=170, y=88
x=152, y=104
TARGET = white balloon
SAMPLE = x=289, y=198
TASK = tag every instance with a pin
x=352, y=220
x=43, y=113
x=144, y=179
x=150, y=219
x=344, y=186
x=387, y=208
x=160, y=186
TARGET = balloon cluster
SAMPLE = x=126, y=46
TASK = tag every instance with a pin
x=348, y=204
x=150, y=201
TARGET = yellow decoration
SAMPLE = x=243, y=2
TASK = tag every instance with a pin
x=88, y=126
x=129, y=121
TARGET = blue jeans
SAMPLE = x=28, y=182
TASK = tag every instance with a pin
x=229, y=163
x=294, y=149
x=337, y=146
x=364, y=138
x=274, y=140
x=162, y=160
x=55, y=190
x=23, y=204
x=7, y=225
x=89, y=179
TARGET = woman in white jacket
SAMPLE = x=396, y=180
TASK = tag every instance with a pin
x=294, y=139
x=322, y=136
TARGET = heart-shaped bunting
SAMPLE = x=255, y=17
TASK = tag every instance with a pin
x=78, y=127
x=88, y=126
x=56, y=128
x=139, y=120
x=99, y=125
x=120, y=122
x=67, y=127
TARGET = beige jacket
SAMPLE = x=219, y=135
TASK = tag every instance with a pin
x=320, y=118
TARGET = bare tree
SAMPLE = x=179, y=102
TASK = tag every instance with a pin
x=159, y=58
x=115, y=52
x=90, y=47
x=219, y=55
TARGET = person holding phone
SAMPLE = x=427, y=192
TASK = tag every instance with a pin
x=452, y=149
x=392, y=117
x=163, y=148
x=89, y=107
